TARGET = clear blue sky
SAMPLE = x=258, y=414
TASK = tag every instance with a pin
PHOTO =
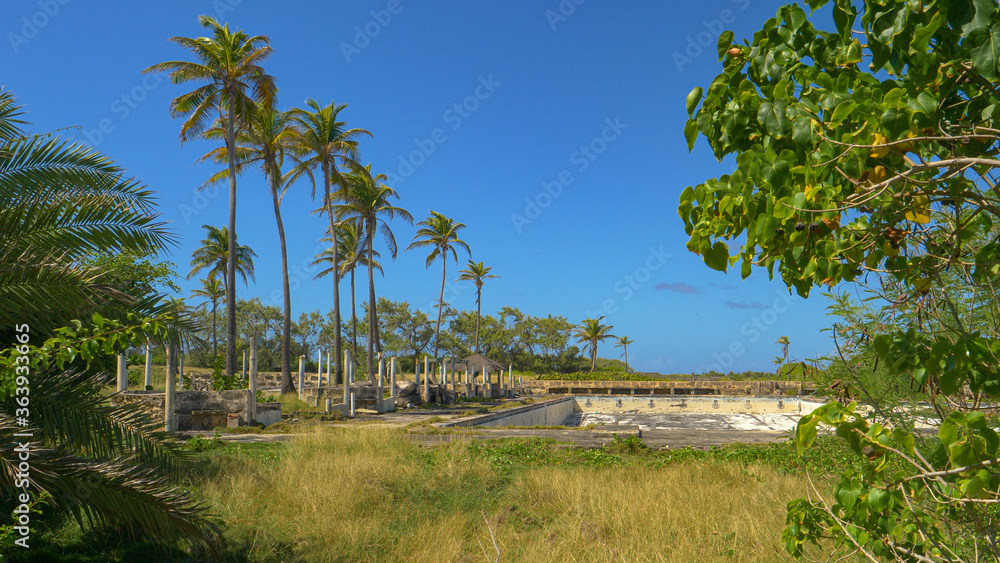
x=553, y=130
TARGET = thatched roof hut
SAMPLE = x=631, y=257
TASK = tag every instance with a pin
x=476, y=362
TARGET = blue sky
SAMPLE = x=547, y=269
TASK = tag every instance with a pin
x=553, y=130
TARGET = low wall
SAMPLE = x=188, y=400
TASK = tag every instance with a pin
x=710, y=387
x=667, y=405
x=201, y=410
x=553, y=412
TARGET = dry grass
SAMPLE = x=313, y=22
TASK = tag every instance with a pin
x=372, y=495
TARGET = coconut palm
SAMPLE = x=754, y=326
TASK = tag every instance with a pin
x=476, y=272
x=61, y=204
x=367, y=202
x=623, y=342
x=440, y=233
x=228, y=63
x=591, y=331
x=212, y=290
x=352, y=253
x=265, y=142
x=321, y=142
x=213, y=255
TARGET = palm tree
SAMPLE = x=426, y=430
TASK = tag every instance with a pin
x=476, y=272
x=320, y=141
x=441, y=233
x=352, y=253
x=213, y=254
x=61, y=204
x=212, y=290
x=591, y=331
x=229, y=65
x=265, y=141
x=367, y=202
x=623, y=342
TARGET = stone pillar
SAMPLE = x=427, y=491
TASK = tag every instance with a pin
x=252, y=401
x=451, y=369
x=329, y=377
x=122, y=373
x=170, y=393
x=392, y=378
x=426, y=393
x=487, y=391
x=319, y=368
x=347, y=371
x=302, y=373
x=244, y=376
x=149, y=367
x=381, y=372
x=427, y=371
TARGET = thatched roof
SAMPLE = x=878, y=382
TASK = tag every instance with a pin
x=476, y=362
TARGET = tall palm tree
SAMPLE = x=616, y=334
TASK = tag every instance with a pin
x=213, y=255
x=476, y=272
x=353, y=253
x=321, y=142
x=212, y=290
x=265, y=141
x=623, y=342
x=440, y=233
x=591, y=331
x=229, y=65
x=367, y=202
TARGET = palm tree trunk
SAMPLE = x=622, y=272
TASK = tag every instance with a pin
x=626, y=359
x=479, y=313
x=354, y=317
x=437, y=331
x=231, y=251
x=372, y=317
x=286, y=327
x=337, y=349
x=593, y=354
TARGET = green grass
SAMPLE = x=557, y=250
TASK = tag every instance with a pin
x=364, y=494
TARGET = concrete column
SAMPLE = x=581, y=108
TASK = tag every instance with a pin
x=416, y=372
x=319, y=368
x=427, y=371
x=244, y=376
x=347, y=385
x=466, y=375
x=487, y=391
x=252, y=402
x=426, y=393
x=302, y=373
x=170, y=394
x=149, y=367
x=329, y=376
x=392, y=378
x=381, y=372
x=451, y=370
x=122, y=373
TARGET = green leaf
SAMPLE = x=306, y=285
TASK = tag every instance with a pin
x=948, y=432
x=805, y=433
x=725, y=42
x=691, y=133
x=986, y=50
x=692, y=100
x=802, y=132
x=843, y=110
x=923, y=103
x=717, y=257
x=771, y=116
x=896, y=122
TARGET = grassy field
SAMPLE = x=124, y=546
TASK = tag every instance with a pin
x=365, y=494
